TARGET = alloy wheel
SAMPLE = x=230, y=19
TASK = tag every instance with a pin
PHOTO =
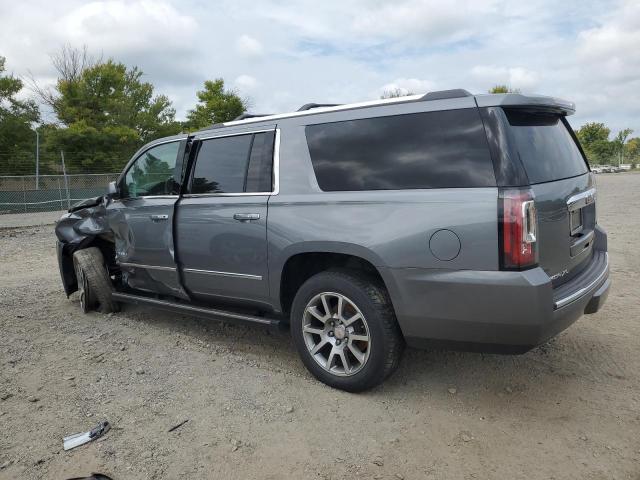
x=336, y=334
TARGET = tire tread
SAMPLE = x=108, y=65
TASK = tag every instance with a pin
x=92, y=263
x=392, y=337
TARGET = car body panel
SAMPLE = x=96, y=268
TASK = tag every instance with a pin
x=221, y=257
x=143, y=231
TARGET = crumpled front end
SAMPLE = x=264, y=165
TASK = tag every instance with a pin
x=86, y=223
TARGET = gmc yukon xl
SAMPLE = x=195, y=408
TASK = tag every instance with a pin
x=444, y=218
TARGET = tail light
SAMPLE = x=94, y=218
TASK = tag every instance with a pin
x=518, y=225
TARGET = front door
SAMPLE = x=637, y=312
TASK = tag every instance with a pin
x=221, y=223
x=142, y=220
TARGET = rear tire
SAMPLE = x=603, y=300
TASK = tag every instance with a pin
x=345, y=330
x=94, y=285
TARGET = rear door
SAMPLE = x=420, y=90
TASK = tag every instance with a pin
x=221, y=224
x=563, y=188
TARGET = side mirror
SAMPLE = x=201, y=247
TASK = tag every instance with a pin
x=112, y=190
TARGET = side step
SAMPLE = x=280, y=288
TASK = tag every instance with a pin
x=204, y=312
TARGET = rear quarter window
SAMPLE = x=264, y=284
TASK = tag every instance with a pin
x=445, y=149
x=545, y=146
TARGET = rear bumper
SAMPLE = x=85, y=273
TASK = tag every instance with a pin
x=492, y=310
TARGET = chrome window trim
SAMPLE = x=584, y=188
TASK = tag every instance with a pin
x=148, y=267
x=222, y=274
x=147, y=197
x=579, y=293
x=276, y=169
x=239, y=194
x=236, y=134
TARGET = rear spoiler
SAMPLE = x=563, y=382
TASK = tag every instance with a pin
x=517, y=100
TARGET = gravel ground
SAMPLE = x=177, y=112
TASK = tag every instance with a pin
x=569, y=409
x=30, y=219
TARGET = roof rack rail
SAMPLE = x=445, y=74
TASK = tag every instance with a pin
x=309, y=106
x=244, y=116
x=442, y=94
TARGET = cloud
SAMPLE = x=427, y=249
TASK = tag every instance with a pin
x=336, y=52
x=432, y=20
x=613, y=45
x=150, y=24
x=249, y=46
x=408, y=85
x=514, y=77
x=245, y=82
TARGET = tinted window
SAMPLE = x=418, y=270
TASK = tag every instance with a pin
x=221, y=165
x=546, y=147
x=152, y=172
x=259, y=173
x=421, y=150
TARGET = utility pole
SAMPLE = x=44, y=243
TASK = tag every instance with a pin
x=37, y=159
x=66, y=182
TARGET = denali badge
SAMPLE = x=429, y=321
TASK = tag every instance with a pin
x=559, y=274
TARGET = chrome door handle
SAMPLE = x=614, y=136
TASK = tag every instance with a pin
x=158, y=218
x=246, y=217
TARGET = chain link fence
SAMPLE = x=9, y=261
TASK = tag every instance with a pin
x=35, y=191
x=46, y=193
x=27, y=200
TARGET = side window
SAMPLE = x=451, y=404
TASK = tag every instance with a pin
x=152, y=173
x=237, y=164
x=260, y=171
x=444, y=149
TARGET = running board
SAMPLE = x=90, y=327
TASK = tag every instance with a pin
x=204, y=312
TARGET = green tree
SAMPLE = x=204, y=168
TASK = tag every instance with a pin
x=594, y=138
x=632, y=150
x=503, y=89
x=215, y=105
x=105, y=112
x=17, y=140
x=619, y=143
x=593, y=132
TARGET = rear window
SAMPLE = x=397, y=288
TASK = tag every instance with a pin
x=445, y=149
x=546, y=147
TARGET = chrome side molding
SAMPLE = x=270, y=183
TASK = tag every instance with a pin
x=147, y=267
x=222, y=274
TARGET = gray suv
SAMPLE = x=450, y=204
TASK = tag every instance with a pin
x=446, y=218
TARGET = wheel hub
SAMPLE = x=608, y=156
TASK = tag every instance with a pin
x=340, y=332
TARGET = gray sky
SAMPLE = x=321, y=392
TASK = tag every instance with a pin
x=282, y=54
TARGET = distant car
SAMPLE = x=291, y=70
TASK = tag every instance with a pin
x=448, y=218
x=596, y=169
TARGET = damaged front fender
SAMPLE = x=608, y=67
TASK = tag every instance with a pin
x=83, y=225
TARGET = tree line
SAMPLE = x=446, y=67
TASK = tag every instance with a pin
x=103, y=112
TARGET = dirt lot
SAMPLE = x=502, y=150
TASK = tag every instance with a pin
x=569, y=409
